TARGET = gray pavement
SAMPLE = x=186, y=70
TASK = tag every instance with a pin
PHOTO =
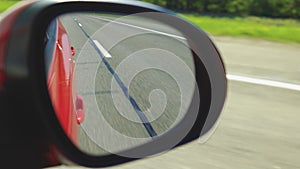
x=259, y=127
x=160, y=84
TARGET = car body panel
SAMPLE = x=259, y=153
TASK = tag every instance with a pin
x=60, y=83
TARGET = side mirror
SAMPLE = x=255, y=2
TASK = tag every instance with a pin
x=145, y=80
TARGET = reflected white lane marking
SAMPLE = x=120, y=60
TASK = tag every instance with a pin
x=264, y=82
x=142, y=28
x=101, y=48
x=229, y=76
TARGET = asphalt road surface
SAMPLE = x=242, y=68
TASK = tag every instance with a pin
x=259, y=127
x=135, y=83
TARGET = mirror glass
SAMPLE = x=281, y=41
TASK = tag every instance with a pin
x=117, y=81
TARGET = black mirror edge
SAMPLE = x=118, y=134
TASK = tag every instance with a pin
x=35, y=19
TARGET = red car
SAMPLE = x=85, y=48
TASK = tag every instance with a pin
x=60, y=68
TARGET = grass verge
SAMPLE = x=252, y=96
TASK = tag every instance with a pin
x=4, y=4
x=282, y=30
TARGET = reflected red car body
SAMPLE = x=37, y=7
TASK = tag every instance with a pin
x=69, y=106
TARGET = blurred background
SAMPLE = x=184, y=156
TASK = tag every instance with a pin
x=259, y=41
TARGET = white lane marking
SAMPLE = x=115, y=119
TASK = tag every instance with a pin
x=264, y=82
x=229, y=77
x=142, y=28
x=101, y=48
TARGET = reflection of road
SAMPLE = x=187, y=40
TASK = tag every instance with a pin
x=146, y=105
x=259, y=127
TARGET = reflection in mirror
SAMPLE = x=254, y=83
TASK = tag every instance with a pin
x=117, y=81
